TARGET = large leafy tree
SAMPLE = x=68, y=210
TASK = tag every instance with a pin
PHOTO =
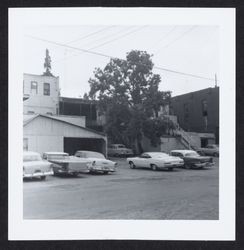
x=128, y=93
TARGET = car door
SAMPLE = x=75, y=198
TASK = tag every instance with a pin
x=145, y=160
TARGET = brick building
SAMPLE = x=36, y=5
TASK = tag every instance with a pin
x=198, y=111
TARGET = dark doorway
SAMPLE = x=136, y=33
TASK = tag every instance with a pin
x=204, y=142
x=71, y=145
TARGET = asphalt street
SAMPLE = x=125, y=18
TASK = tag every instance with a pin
x=126, y=194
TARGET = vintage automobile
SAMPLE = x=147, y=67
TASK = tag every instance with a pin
x=155, y=161
x=98, y=163
x=192, y=159
x=34, y=166
x=211, y=149
x=64, y=164
x=119, y=150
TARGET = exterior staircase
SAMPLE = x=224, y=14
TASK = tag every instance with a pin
x=186, y=140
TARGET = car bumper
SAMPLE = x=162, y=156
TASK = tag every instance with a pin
x=39, y=174
x=72, y=171
x=101, y=169
x=204, y=165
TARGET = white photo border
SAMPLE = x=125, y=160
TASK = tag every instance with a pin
x=222, y=229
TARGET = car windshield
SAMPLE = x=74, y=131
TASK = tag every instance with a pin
x=58, y=157
x=158, y=155
x=32, y=158
x=192, y=154
x=92, y=155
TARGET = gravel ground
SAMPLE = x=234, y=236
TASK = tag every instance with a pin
x=126, y=194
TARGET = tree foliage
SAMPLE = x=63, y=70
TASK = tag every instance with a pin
x=128, y=93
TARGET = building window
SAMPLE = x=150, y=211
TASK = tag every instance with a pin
x=25, y=144
x=204, y=108
x=186, y=112
x=46, y=90
x=34, y=86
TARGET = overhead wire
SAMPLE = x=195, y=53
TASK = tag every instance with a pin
x=179, y=37
x=91, y=34
x=94, y=41
x=163, y=37
x=112, y=57
x=115, y=39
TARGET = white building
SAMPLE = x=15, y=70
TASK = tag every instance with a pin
x=43, y=133
x=41, y=94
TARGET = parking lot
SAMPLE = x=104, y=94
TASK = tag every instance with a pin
x=126, y=194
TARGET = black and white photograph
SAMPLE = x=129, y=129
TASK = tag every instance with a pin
x=120, y=126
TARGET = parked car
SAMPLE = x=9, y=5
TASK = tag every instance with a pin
x=155, y=161
x=34, y=166
x=192, y=159
x=119, y=150
x=211, y=149
x=65, y=164
x=98, y=163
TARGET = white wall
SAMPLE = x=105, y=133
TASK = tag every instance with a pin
x=43, y=144
x=167, y=144
x=46, y=134
x=38, y=102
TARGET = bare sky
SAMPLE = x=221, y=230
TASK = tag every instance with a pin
x=187, y=49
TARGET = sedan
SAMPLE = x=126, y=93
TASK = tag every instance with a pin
x=192, y=159
x=65, y=164
x=34, y=166
x=98, y=163
x=155, y=161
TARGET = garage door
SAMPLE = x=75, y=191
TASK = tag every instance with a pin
x=71, y=145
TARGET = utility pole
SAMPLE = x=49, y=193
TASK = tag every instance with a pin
x=216, y=80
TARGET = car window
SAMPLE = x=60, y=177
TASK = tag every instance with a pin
x=158, y=155
x=177, y=154
x=192, y=154
x=57, y=157
x=145, y=156
x=92, y=155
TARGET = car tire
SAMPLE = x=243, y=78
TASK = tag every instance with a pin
x=43, y=178
x=74, y=174
x=154, y=167
x=132, y=165
x=105, y=172
x=187, y=166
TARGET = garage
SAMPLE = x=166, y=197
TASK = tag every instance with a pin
x=71, y=145
x=44, y=133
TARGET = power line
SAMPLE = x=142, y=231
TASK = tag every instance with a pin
x=186, y=74
x=94, y=41
x=179, y=37
x=112, y=57
x=112, y=40
x=162, y=38
x=90, y=34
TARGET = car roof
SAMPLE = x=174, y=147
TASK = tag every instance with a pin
x=183, y=151
x=55, y=153
x=30, y=153
x=154, y=153
x=87, y=151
